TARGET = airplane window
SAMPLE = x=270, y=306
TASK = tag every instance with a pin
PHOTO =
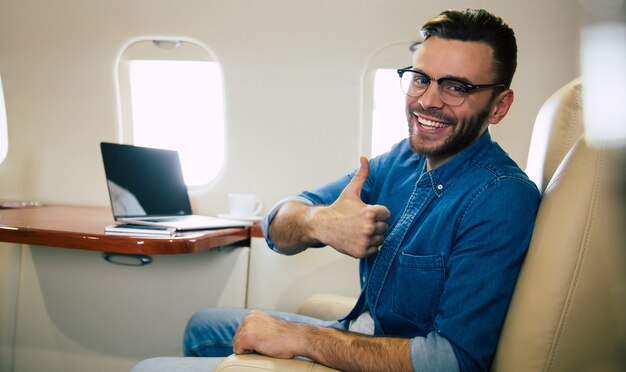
x=384, y=120
x=388, y=116
x=4, y=137
x=175, y=101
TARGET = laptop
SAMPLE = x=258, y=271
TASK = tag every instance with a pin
x=146, y=187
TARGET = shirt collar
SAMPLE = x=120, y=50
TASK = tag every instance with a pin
x=445, y=174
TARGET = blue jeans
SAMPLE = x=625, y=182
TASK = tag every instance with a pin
x=210, y=332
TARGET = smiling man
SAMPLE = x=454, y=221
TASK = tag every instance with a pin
x=440, y=223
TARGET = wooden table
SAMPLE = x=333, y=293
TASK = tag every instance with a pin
x=83, y=228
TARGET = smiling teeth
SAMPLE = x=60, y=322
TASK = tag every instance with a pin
x=430, y=123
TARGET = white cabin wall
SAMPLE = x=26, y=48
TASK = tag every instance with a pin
x=293, y=81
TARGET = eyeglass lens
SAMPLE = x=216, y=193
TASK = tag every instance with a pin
x=451, y=92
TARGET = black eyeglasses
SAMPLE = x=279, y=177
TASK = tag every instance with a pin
x=452, y=91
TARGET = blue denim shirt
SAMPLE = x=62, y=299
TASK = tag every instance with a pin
x=456, y=239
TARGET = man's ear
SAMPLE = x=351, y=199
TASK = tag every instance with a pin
x=500, y=106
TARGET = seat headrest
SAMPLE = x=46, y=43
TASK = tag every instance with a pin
x=558, y=126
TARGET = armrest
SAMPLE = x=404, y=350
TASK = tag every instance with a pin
x=327, y=306
x=257, y=362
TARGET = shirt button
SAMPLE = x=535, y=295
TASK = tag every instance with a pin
x=363, y=278
x=440, y=187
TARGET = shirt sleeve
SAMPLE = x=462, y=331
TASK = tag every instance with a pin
x=432, y=353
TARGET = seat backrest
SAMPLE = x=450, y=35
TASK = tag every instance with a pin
x=568, y=311
x=558, y=125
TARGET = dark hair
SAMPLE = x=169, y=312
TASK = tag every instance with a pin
x=482, y=26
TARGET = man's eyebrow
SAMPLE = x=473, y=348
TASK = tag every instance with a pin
x=459, y=78
x=450, y=77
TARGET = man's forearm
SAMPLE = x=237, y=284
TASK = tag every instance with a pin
x=347, y=351
x=290, y=230
x=355, y=352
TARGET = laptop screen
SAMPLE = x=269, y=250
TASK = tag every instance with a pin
x=144, y=181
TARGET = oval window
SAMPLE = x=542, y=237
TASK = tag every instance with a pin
x=172, y=98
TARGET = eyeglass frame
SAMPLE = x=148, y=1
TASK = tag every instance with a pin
x=469, y=87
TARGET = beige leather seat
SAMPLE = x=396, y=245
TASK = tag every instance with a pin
x=568, y=311
x=559, y=124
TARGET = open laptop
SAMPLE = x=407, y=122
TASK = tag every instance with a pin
x=146, y=187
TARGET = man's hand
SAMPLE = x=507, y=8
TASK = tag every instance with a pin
x=349, y=225
x=262, y=333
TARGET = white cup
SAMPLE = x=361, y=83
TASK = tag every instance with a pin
x=244, y=205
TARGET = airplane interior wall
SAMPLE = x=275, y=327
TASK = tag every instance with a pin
x=293, y=73
x=297, y=105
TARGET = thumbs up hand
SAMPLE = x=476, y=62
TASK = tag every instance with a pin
x=349, y=225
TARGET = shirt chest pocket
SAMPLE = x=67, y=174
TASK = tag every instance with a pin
x=417, y=287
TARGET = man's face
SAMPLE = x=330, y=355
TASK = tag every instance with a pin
x=440, y=131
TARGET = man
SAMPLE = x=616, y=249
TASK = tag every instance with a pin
x=440, y=224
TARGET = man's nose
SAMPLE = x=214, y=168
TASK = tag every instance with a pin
x=430, y=97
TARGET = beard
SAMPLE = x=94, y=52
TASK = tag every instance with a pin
x=463, y=133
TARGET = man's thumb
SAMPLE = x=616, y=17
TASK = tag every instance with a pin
x=357, y=182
